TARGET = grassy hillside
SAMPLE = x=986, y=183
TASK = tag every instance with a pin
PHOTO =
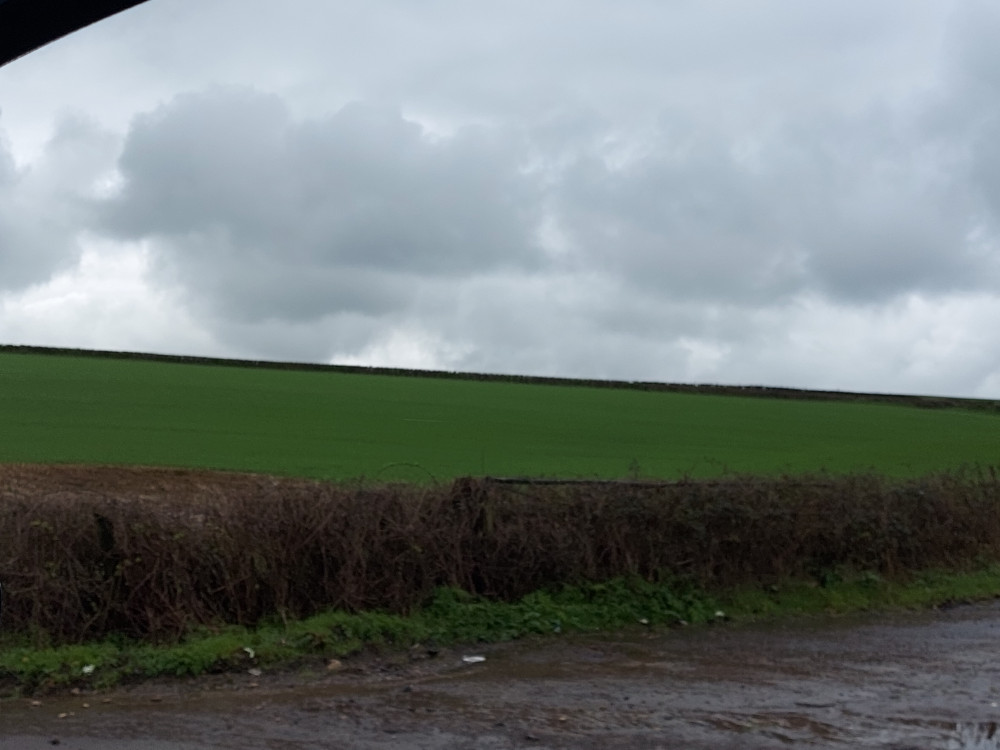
x=340, y=425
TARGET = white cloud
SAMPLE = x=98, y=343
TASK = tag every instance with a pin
x=404, y=347
x=104, y=302
x=918, y=343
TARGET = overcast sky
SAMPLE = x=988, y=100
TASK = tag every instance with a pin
x=721, y=191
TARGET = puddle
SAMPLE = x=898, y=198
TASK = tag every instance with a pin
x=975, y=736
x=926, y=680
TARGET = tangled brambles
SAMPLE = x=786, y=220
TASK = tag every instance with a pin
x=86, y=552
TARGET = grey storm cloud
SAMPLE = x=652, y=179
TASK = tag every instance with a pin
x=856, y=213
x=973, y=109
x=43, y=206
x=268, y=216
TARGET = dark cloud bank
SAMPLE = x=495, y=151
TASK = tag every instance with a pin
x=260, y=216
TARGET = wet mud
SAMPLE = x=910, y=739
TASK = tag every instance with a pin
x=923, y=680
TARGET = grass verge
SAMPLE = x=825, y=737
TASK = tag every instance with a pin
x=453, y=617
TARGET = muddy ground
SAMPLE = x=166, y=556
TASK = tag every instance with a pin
x=925, y=680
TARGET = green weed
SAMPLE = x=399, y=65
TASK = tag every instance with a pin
x=455, y=617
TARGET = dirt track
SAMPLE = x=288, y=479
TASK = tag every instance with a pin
x=929, y=680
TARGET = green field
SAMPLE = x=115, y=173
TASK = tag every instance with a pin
x=329, y=424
